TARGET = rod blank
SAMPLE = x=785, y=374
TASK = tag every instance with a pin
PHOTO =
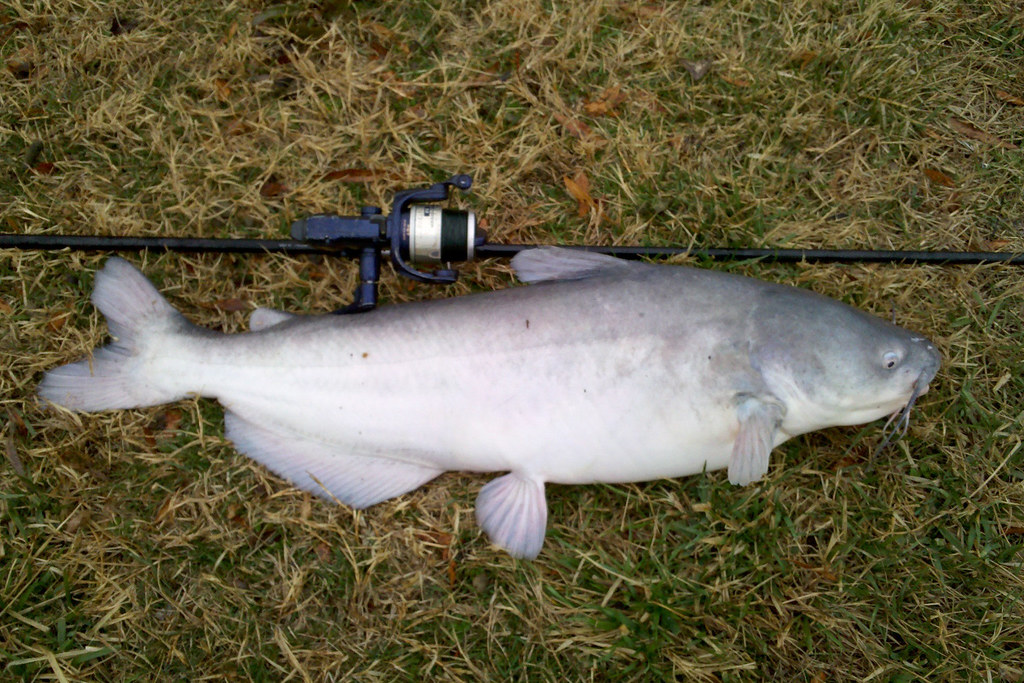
x=294, y=247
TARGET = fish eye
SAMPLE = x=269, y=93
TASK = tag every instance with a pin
x=891, y=359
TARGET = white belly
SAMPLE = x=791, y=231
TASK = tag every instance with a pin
x=572, y=413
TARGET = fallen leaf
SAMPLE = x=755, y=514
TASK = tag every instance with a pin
x=236, y=127
x=388, y=39
x=846, y=461
x=574, y=126
x=323, y=551
x=236, y=515
x=20, y=68
x=222, y=89
x=167, y=420
x=971, y=131
x=381, y=31
x=932, y=133
x=579, y=188
x=230, y=34
x=1010, y=99
x=44, y=168
x=166, y=510
x=437, y=539
x=9, y=27
x=231, y=305
x=379, y=51
x=824, y=571
x=698, y=69
x=163, y=426
x=316, y=271
x=57, y=321
x=5, y=307
x=12, y=456
x=273, y=188
x=171, y=419
x=649, y=10
x=451, y=573
x=804, y=58
x=997, y=244
x=358, y=175
x=1014, y=531
x=737, y=81
x=80, y=518
x=939, y=178
x=14, y=419
x=607, y=102
x=491, y=75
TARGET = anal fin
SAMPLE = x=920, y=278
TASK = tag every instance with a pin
x=356, y=480
x=759, y=420
x=514, y=513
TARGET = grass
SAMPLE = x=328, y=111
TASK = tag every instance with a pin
x=138, y=544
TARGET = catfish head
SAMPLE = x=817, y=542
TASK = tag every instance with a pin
x=832, y=365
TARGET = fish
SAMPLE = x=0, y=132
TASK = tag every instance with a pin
x=599, y=370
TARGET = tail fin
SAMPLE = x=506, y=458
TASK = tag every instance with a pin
x=115, y=376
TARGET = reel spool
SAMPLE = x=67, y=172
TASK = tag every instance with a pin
x=432, y=235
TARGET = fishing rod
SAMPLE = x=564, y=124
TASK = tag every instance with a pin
x=418, y=232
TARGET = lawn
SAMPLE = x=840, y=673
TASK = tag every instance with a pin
x=138, y=545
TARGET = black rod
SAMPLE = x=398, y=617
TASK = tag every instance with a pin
x=179, y=244
x=782, y=255
x=294, y=247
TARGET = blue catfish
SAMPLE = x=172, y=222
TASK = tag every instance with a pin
x=602, y=371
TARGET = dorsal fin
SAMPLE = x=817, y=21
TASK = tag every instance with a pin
x=554, y=263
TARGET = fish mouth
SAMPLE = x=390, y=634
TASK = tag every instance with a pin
x=896, y=426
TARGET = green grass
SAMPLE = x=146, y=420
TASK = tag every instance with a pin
x=131, y=552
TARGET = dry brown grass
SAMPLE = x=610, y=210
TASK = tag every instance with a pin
x=138, y=544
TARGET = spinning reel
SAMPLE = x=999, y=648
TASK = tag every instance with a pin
x=415, y=233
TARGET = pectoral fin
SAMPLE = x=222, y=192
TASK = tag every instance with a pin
x=759, y=421
x=514, y=513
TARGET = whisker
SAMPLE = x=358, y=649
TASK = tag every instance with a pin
x=900, y=421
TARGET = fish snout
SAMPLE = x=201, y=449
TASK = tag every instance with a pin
x=931, y=368
x=930, y=361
